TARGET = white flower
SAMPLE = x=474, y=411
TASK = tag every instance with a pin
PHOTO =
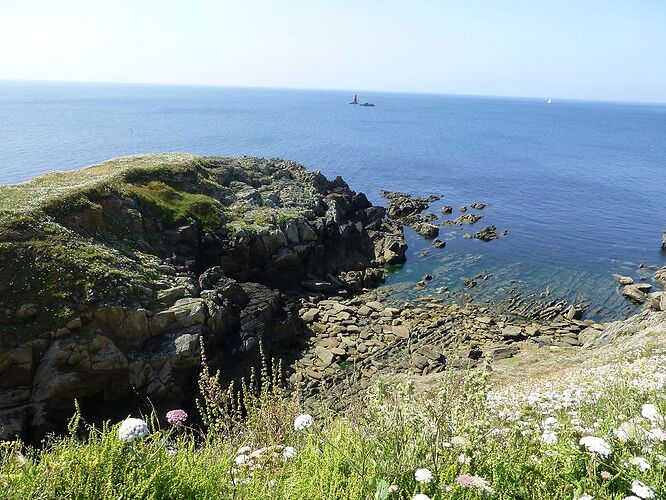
x=596, y=445
x=550, y=421
x=641, y=463
x=303, y=422
x=394, y=488
x=240, y=459
x=460, y=441
x=656, y=435
x=464, y=459
x=420, y=496
x=133, y=428
x=288, y=452
x=621, y=434
x=549, y=437
x=585, y=497
x=631, y=497
x=244, y=450
x=642, y=490
x=651, y=412
x=423, y=475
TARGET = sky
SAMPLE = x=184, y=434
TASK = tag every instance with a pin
x=583, y=49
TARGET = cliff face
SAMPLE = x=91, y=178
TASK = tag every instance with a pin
x=112, y=276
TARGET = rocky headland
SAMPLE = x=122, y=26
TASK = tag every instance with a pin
x=114, y=276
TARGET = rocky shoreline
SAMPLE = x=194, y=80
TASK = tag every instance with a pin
x=356, y=340
x=114, y=284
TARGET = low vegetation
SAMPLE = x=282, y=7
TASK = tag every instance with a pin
x=177, y=206
x=600, y=436
x=96, y=235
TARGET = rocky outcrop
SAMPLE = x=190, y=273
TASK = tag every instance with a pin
x=488, y=233
x=119, y=354
x=406, y=209
x=110, y=290
x=660, y=277
x=641, y=292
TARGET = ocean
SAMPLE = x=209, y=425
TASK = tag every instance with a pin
x=581, y=186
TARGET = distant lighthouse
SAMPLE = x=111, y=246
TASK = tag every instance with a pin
x=354, y=99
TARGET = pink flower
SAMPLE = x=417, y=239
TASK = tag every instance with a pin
x=606, y=475
x=467, y=481
x=176, y=417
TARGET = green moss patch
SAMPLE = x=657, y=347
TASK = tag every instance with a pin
x=178, y=206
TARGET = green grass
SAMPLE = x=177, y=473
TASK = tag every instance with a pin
x=178, y=206
x=451, y=429
x=57, y=186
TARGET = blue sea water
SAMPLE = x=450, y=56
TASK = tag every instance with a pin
x=581, y=186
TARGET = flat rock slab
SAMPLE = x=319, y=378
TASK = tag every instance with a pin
x=324, y=354
x=310, y=315
x=502, y=351
x=401, y=331
x=512, y=332
x=377, y=306
x=364, y=311
x=632, y=292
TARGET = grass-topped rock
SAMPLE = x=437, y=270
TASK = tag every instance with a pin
x=111, y=275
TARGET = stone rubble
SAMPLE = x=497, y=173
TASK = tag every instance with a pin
x=355, y=340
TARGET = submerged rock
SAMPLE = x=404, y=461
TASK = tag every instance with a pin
x=463, y=219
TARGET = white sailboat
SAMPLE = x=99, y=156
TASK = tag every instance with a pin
x=550, y=101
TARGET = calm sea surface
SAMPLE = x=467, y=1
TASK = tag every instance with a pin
x=581, y=186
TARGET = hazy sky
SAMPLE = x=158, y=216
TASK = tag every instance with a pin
x=586, y=49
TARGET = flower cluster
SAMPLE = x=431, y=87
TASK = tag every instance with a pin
x=176, y=417
x=133, y=428
x=303, y=422
x=476, y=482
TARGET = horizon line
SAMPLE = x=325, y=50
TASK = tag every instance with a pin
x=262, y=87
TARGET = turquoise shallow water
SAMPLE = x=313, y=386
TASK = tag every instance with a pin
x=580, y=185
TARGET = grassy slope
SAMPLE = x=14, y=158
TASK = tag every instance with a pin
x=56, y=187
x=46, y=263
x=523, y=448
